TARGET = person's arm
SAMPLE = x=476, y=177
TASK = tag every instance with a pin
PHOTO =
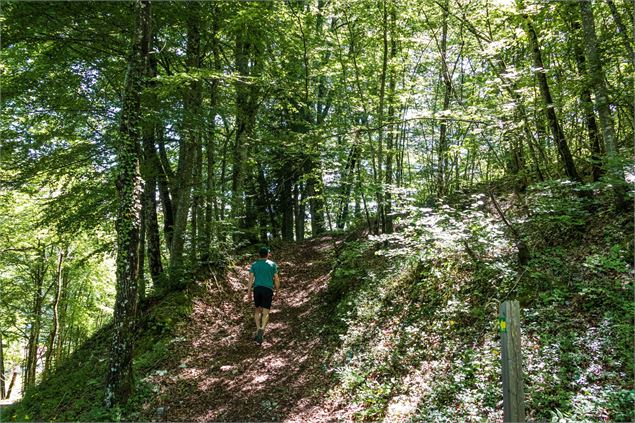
x=276, y=280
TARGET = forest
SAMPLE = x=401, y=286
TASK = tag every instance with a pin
x=409, y=164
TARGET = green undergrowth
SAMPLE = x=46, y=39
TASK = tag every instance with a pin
x=75, y=390
x=416, y=311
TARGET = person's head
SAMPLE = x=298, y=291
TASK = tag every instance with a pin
x=263, y=252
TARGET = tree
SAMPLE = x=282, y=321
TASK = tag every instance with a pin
x=119, y=382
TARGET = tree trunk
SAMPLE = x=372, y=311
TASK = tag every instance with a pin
x=390, y=144
x=379, y=194
x=56, y=303
x=243, y=126
x=286, y=204
x=36, y=320
x=141, y=279
x=627, y=40
x=587, y=107
x=348, y=176
x=163, y=180
x=14, y=376
x=548, y=104
x=613, y=166
x=442, y=160
x=119, y=380
x=154, y=173
x=299, y=209
x=188, y=146
x=2, y=385
x=196, y=203
x=210, y=184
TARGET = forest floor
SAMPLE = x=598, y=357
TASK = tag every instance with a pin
x=221, y=374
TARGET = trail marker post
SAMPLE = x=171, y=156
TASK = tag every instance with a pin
x=512, y=363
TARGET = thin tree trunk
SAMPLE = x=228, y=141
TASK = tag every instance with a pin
x=548, y=104
x=442, y=161
x=392, y=84
x=153, y=171
x=298, y=201
x=286, y=203
x=163, y=180
x=188, y=147
x=56, y=302
x=2, y=386
x=587, y=108
x=36, y=320
x=197, y=200
x=210, y=184
x=380, y=194
x=141, y=279
x=14, y=376
x=346, y=186
x=627, y=40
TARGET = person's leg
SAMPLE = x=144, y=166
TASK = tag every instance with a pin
x=258, y=317
x=265, y=318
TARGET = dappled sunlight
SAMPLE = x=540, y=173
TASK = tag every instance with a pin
x=227, y=376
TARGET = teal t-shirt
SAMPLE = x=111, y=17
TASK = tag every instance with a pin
x=263, y=271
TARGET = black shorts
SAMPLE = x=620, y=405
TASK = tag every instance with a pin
x=263, y=296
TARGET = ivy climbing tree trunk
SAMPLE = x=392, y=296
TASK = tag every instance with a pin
x=119, y=381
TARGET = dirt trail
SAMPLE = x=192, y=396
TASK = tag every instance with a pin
x=224, y=375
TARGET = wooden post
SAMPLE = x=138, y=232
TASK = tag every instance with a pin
x=512, y=363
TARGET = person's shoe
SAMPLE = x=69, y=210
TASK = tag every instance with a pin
x=260, y=335
x=256, y=336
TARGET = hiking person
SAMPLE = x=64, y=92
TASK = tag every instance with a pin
x=263, y=274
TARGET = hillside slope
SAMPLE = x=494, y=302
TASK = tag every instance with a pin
x=221, y=374
x=395, y=328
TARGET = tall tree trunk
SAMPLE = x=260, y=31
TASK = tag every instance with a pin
x=56, y=303
x=596, y=74
x=313, y=171
x=390, y=144
x=188, y=146
x=36, y=320
x=242, y=126
x=210, y=182
x=164, y=183
x=119, y=380
x=248, y=64
x=587, y=107
x=548, y=104
x=153, y=172
x=442, y=160
x=196, y=203
x=379, y=194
